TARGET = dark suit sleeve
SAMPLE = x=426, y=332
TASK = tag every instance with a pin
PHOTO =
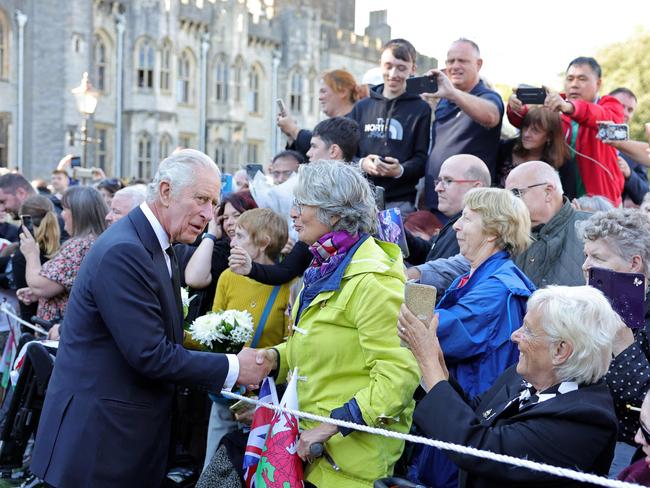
x=127, y=295
x=636, y=186
x=444, y=416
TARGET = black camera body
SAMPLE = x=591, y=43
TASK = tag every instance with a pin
x=421, y=84
x=531, y=96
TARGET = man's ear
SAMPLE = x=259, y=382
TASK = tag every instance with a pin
x=335, y=152
x=165, y=191
x=479, y=63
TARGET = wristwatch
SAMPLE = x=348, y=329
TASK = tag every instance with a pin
x=207, y=235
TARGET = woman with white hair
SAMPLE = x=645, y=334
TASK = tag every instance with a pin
x=552, y=407
x=344, y=343
x=619, y=240
x=481, y=308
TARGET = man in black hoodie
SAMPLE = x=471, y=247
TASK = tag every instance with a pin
x=395, y=128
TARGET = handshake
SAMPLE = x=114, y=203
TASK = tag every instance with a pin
x=255, y=365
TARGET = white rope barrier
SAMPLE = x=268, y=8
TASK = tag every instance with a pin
x=471, y=451
x=5, y=308
x=492, y=456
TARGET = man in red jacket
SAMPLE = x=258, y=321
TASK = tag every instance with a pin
x=581, y=109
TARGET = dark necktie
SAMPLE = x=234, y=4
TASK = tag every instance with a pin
x=176, y=279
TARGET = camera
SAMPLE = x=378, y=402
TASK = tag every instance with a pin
x=81, y=173
x=608, y=131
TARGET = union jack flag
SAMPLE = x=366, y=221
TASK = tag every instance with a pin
x=259, y=430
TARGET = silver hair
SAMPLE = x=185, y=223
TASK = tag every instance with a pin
x=625, y=230
x=137, y=193
x=594, y=203
x=583, y=317
x=338, y=190
x=179, y=170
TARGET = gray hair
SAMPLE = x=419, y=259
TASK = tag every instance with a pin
x=338, y=190
x=179, y=170
x=583, y=317
x=137, y=193
x=625, y=230
x=88, y=210
x=594, y=203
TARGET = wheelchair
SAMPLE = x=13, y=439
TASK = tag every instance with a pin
x=25, y=405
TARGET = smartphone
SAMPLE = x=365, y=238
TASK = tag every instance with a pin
x=647, y=130
x=608, y=131
x=625, y=292
x=531, y=95
x=226, y=184
x=421, y=84
x=380, y=197
x=27, y=222
x=75, y=161
x=420, y=300
x=282, y=109
x=252, y=169
x=390, y=228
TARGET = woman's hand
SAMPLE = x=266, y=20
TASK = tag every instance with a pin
x=54, y=334
x=26, y=295
x=28, y=245
x=240, y=261
x=322, y=433
x=288, y=126
x=214, y=226
x=288, y=247
x=424, y=345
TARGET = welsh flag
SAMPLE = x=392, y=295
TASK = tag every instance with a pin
x=280, y=466
x=259, y=429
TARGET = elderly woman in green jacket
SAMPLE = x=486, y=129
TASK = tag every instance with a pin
x=344, y=341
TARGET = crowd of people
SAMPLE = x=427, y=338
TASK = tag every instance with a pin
x=522, y=357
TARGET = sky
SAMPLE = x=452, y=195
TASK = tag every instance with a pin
x=520, y=41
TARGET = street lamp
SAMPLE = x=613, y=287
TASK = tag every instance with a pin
x=86, y=98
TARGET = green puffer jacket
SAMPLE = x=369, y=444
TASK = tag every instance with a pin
x=346, y=346
x=556, y=255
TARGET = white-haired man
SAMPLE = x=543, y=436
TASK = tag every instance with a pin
x=124, y=201
x=107, y=415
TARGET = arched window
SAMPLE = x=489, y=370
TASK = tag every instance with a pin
x=144, y=156
x=220, y=155
x=295, y=93
x=4, y=46
x=221, y=79
x=164, y=146
x=185, y=67
x=166, y=67
x=254, y=86
x=101, y=64
x=238, y=75
x=144, y=64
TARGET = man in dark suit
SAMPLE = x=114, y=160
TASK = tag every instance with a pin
x=552, y=407
x=106, y=421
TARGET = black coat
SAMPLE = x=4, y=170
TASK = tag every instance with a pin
x=576, y=430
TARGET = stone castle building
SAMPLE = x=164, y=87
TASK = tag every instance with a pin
x=194, y=73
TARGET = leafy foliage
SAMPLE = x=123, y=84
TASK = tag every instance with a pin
x=628, y=64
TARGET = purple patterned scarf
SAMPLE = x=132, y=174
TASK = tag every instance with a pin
x=328, y=252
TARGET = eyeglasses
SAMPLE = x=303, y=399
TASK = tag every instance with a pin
x=525, y=330
x=445, y=182
x=518, y=192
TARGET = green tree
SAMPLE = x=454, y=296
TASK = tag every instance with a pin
x=628, y=64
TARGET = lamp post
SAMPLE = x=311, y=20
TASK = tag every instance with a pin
x=86, y=98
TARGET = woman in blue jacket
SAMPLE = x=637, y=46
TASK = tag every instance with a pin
x=482, y=308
